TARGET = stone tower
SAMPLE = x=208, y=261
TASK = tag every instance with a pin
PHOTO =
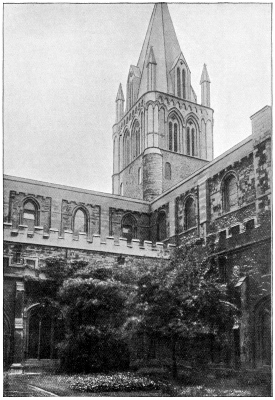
x=163, y=135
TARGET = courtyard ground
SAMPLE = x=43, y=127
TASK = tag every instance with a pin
x=58, y=386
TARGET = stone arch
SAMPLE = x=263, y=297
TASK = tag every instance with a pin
x=33, y=212
x=86, y=221
x=44, y=330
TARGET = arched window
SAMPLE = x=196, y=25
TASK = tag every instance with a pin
x=188, y=141
x=45, y=331
x=30, y=214
x=230, y=192
x=183, y=84
x=191, y=139
x=126, y=148
x=161, y=226
x=121, y=189
x=128, y=227
x=167, y=171
x=190, y=213
x=136, y=140
x=173, y=133
x=80, y=222
x=139, y=176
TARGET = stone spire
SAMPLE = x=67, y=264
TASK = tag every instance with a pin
x=119, y=104
x=205, y=87
x=162, y=38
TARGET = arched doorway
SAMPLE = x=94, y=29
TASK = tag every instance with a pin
x=45, y=331
x=263, y=333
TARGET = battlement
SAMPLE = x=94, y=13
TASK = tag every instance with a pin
x=70, y=241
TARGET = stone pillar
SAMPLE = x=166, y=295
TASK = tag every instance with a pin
x=152, y=173
x=18, y=353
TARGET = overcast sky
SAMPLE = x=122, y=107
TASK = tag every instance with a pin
x=63, y=64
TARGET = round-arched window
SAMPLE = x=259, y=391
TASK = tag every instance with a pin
x=80, y=221
x=30, y=214
x=230, y=193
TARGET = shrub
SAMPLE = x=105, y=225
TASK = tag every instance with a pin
x=126, y=382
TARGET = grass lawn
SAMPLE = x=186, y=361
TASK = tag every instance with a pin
x=60, y=385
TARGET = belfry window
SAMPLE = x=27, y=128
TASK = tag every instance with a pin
x=190, y=213
x=173, y=134
x=80, y=222
x=30, y=215
x=191, y=139
x=180, y=81
x=230, y=193
x=183, y=84
x=136, y=140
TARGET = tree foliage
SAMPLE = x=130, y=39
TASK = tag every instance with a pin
x=93, y=304
x=184, y=299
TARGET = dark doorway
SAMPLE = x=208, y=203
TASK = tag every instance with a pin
x=45, y=332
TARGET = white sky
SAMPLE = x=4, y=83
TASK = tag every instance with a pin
x=63, y=64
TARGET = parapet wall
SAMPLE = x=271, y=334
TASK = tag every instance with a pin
x=69, y=241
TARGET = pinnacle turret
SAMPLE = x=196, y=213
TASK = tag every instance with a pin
x=119, y=104
x=120, y=95
x=204, y=75
x=205, y=87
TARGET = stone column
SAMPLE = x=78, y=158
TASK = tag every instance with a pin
x=17, y=366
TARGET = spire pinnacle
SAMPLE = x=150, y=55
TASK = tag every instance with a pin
x=204, y=75
x=120, y=95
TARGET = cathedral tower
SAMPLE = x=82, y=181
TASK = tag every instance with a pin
x=164, y=135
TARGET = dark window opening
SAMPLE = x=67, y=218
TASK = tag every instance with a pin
x=235, y=230
x=175, y=137
x=128, y=227
x=250, y=224
x=188, y=141
x=161, y=227
x=183, y=84
x=222, y=240
x=170, y=136
x=190, y=213
x=178, y=83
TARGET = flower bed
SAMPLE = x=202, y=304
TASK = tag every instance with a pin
x=126, y=382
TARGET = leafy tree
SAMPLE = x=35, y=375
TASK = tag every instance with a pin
x=93, y=303
x=184, y=299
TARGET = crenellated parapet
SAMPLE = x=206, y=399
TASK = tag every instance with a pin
x=69, y=241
